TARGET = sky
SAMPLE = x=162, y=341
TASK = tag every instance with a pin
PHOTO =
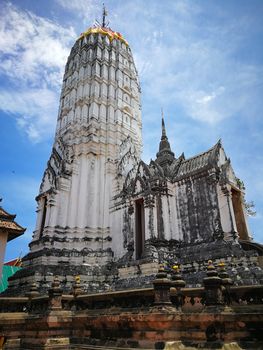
x=199, y=60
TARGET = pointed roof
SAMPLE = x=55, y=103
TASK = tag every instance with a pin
x=7, y=224
x=165, y=155
x=14, y=262
x=164, y=143
x=200, y=161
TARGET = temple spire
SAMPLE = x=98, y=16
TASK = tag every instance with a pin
x=165, y=155
x=164, y=143
x=163, y=128
x=104, y=14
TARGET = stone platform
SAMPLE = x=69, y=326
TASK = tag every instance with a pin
x=210, y=317
x=244, y=266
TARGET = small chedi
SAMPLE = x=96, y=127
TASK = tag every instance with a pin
x=105, y=214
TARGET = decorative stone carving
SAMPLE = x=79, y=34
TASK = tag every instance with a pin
x=213, y=286
x=55, y=295
x=127, y=230
x=161, y=286
x=128, y=158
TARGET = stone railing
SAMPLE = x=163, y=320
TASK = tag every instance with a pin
x=168, y=289
x=217, y=313
x=17, y=304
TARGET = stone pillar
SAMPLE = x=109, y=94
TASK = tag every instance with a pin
x=55, y=295
x=149, y=203
x=77, y=287
x=161, y=286
x=227, y=212
x=213, y=287
x=33, y=292
x=177, y=283
x=226, y=282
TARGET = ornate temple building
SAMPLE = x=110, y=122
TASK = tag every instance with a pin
x=129, y=255
x=106, y=215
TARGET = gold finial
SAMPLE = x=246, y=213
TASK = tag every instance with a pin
x=161, y=267
x=77, y=278
x=210, y=265
x=221, y=264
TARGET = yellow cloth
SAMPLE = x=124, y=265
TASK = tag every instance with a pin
x=105, y=31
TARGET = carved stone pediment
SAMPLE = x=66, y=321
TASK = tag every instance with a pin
x=59, y=165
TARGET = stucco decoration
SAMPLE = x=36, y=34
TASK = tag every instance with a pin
x=127, y=158
x=59, y=165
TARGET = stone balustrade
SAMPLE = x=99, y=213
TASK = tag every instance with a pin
x=136, y=318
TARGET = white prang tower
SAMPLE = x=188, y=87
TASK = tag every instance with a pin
x=98, y=141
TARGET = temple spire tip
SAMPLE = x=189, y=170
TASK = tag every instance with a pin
x=104, y=14
x=165, y=155
x=163, y=126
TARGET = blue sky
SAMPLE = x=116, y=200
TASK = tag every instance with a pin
x=201, y=61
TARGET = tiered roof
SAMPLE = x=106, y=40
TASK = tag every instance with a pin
x=167, y=167
x=7, y=224
x=200, y=161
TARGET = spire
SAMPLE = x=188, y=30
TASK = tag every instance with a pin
x=163, y=128
x=165, y=155
x=104, y=14
x=103, y=23
x=164, y=143
x=101, y=26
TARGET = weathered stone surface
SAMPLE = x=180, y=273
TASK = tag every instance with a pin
x=130, y=319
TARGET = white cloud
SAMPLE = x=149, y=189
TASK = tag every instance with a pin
x=30, y=44
x=180, y=60
x=204, y=81
x=205, y=99
x=195, y=65
x=80, y=8
x=35, y=109
x=33, y=53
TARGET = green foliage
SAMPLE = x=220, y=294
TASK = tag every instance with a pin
x=250, y=206
x=240, y=184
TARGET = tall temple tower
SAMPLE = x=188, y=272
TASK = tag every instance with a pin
x=98, y=141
